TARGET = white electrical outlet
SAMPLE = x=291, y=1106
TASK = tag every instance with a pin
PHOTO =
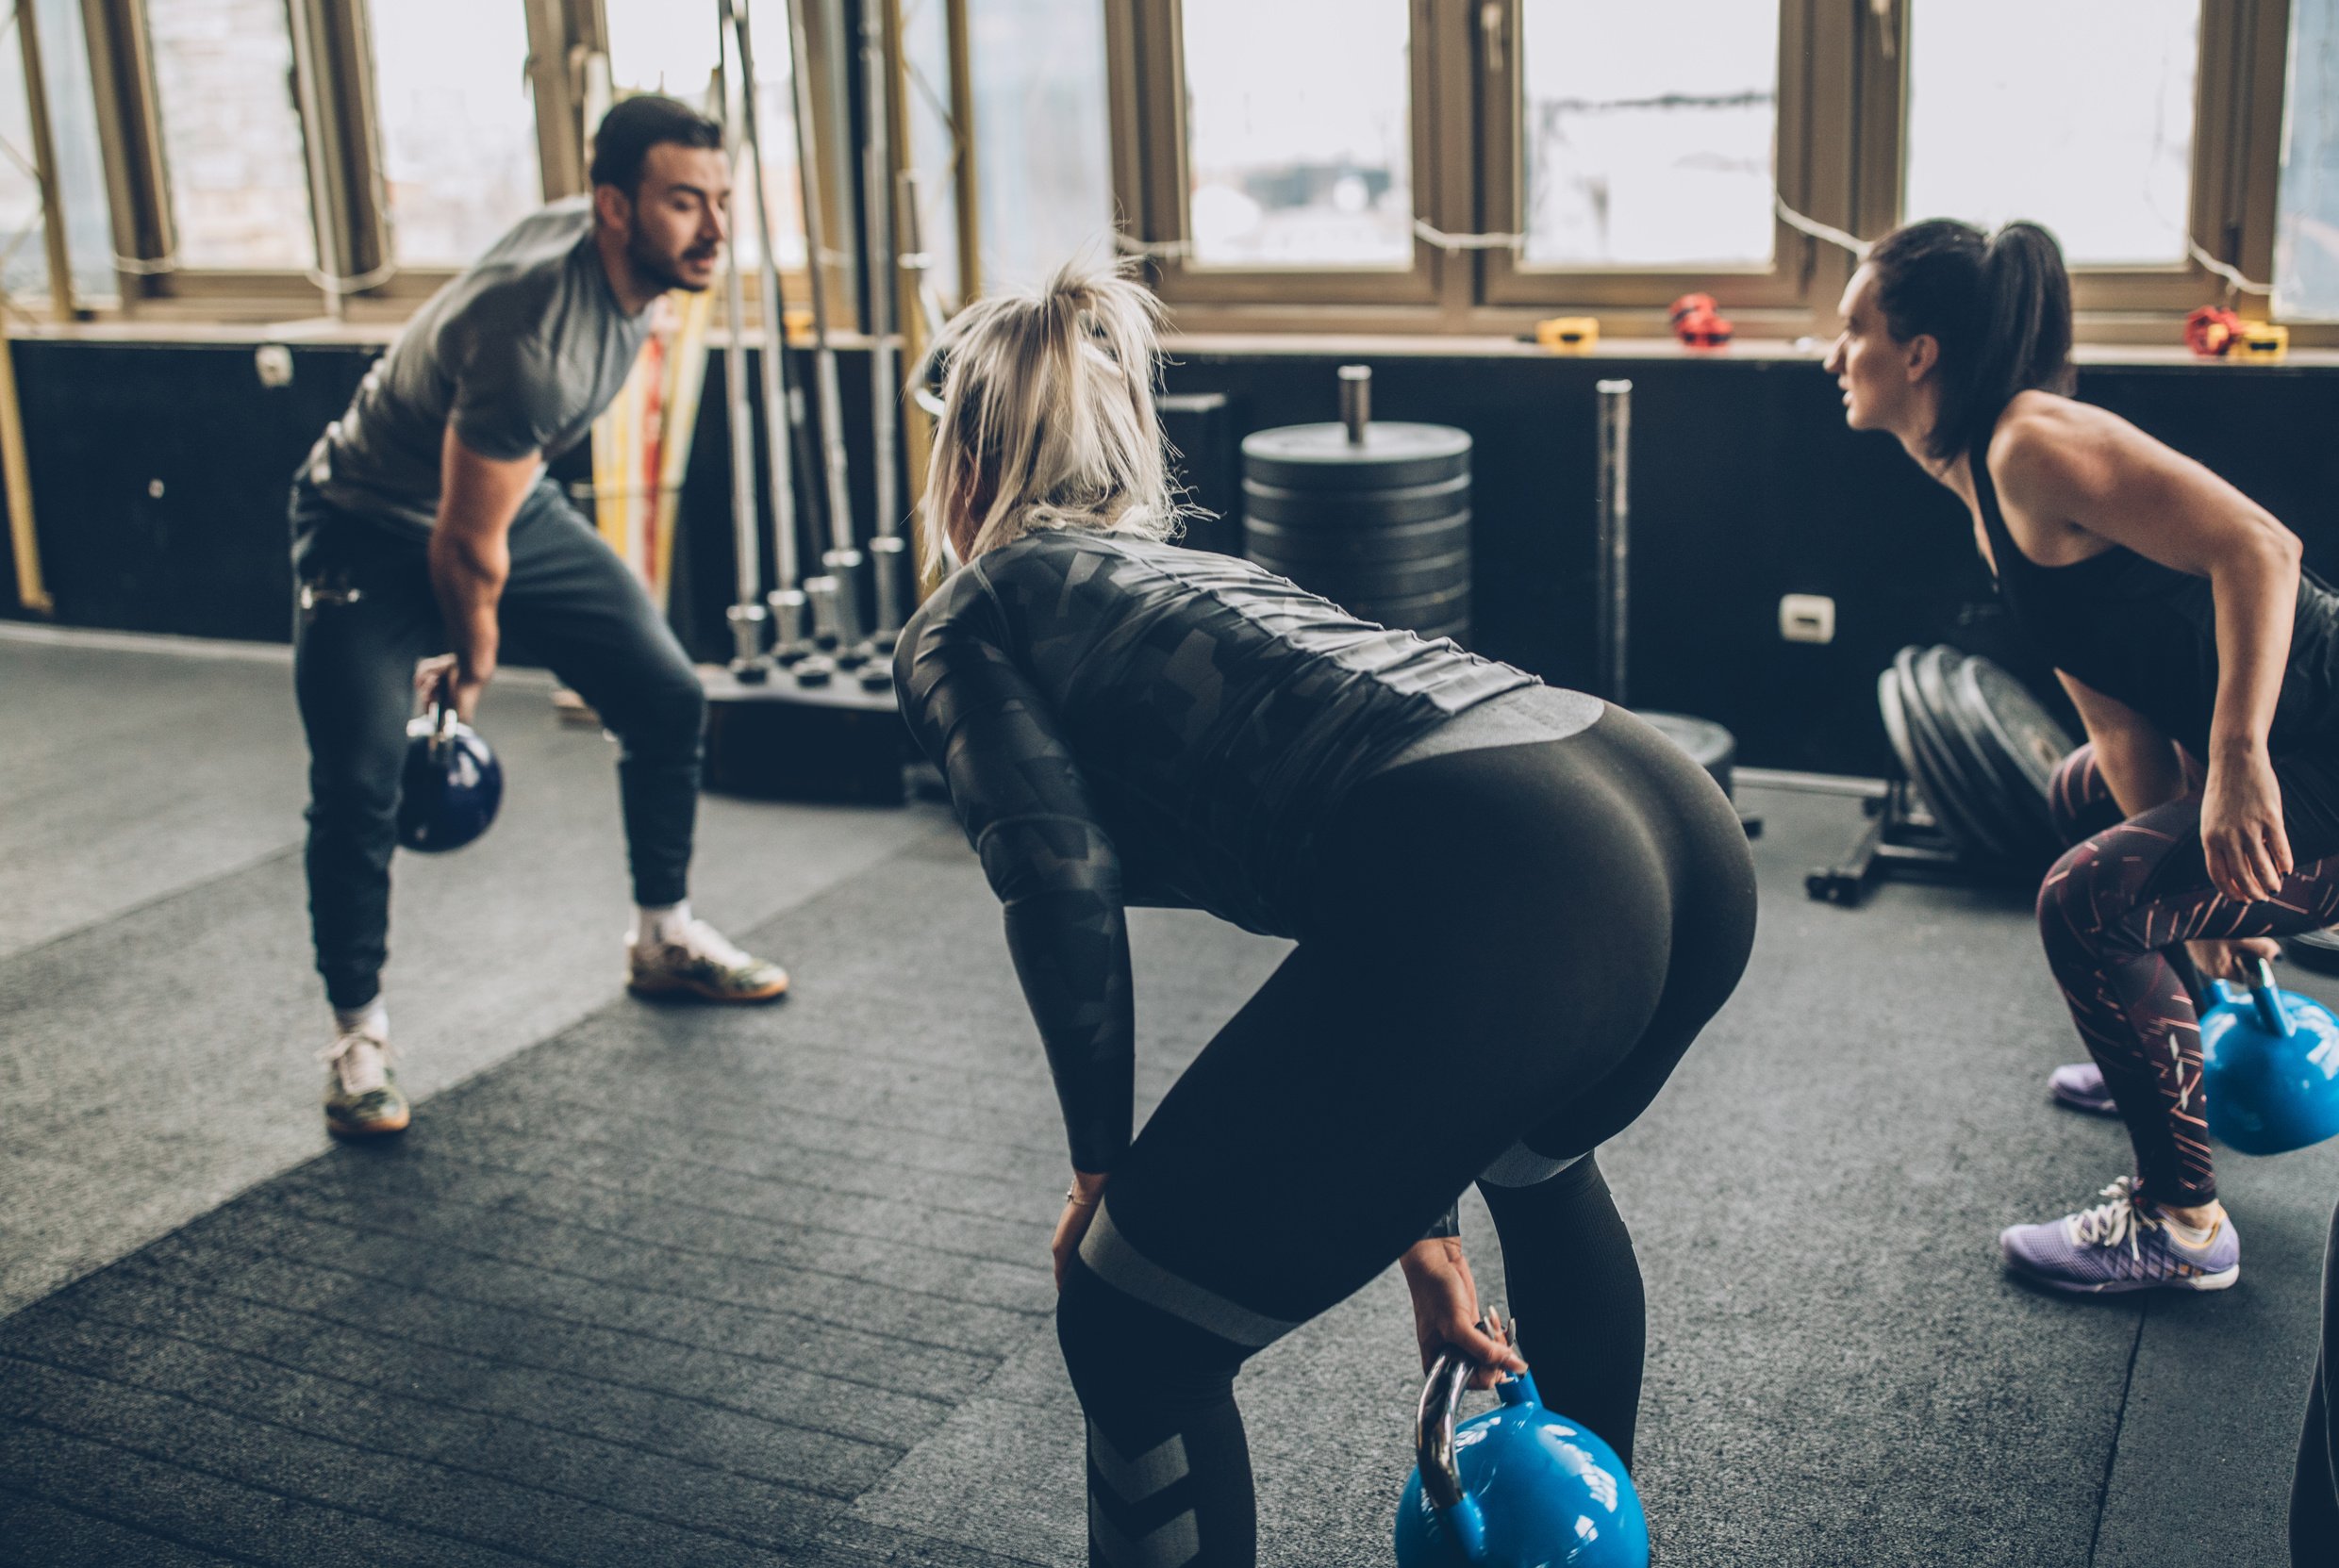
x=273, y=362
x=1807, y=618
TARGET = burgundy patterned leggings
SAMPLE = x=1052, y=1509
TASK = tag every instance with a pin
x=2114, y=911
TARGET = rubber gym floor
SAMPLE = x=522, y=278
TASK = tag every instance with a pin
x=650, y=1285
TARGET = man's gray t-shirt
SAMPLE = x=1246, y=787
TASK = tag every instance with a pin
x=519, y=354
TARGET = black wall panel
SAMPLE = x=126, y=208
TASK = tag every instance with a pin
x=159, y=476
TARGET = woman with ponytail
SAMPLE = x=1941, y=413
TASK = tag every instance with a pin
x=1514, y=906
x=2204, y=810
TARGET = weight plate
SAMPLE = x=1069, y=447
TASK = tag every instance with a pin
x=1321, y=458
x=1406, y=541
x=1933, y=721
x=1423, y=610
x=1434, y=576
x=1341, y=510
x=1897, y=732
x=1458, y=630
x=1926, y=746
x=2314, y=949
x=1997, y=801
x=1704, y=742
x=2019, y=737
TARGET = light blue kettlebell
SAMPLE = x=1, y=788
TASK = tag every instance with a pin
x=2270, y=1067
x=1518, y=1487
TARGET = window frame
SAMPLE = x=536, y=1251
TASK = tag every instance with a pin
x=336, y=102
x=1842, y=136
x=2237, y=115
x=1843, y=100
x=1509, y=281
x=1147, y=87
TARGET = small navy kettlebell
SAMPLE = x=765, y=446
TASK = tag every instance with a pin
x=451, y=786
x=2270, y=1067
x=1518, y=1487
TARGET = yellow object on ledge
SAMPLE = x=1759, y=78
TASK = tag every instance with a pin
x=1569, y=333
x=2263, y=343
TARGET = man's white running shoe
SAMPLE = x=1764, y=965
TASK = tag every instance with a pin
x=703, y=965
x=361, y=1094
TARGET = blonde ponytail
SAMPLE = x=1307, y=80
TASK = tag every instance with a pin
x=1048, y=413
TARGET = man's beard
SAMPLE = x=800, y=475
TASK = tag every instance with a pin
x=657, y=267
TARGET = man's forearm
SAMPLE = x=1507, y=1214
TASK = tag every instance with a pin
x=468, y=580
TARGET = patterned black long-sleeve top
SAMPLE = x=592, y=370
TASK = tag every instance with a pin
x=1127, y=722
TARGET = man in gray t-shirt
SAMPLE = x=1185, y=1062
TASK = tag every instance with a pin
x=422, y=521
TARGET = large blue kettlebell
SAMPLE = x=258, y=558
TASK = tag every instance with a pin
x=2270, y=1067
x=451, y=784
x=1518, y=1487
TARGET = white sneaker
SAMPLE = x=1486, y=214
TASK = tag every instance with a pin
x=361, y=1094
x=703, y=964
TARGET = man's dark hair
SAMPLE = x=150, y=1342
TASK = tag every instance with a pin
x=630, y=129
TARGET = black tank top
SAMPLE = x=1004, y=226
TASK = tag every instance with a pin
x=2146, y=635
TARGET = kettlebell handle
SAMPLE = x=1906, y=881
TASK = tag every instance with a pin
x=2269, y=999
x=1433, y=1426
x=1432, y=1451
x=440, y=709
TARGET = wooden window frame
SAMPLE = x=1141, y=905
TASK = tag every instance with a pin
x=1146, y=67
x=2237, y=123
x=1805, y=28
x=332, y=54
x=1842, y=137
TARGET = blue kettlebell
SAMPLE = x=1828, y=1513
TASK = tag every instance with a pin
x=451, y=784
x=1518, y=1487
x=2270, y=1067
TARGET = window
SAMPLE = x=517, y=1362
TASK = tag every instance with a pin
x=1298, y=133
x=649, y=53
x=24, y=255
x=2001, y=125
x=2306, y=253
x=458, y=126
x=239, y=188
x=931, y=158
x=1649, y=133
x=81, y=169
x=1042, y=135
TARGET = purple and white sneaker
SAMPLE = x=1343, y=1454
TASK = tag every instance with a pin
x=2121, y=1246
x=2079, y=1086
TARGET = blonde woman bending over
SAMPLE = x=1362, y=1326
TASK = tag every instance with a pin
x=1502, y=892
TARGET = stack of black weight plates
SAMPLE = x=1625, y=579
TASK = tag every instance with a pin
x=1980, y=750
x=1380, y=526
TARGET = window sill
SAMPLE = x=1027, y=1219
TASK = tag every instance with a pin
x=1254, y=345
x=378, y=331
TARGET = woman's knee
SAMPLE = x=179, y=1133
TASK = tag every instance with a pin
x=2083, y=904
x=1123, y=1354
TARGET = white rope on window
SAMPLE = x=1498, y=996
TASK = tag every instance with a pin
x=1177, y=249
x=1817, y=230
x=2233, y=275
x=1167, y=249
x=334, y=284
x=1449, y=243
x=1787, y=215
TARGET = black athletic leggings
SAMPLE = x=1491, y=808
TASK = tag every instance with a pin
x=2114, y=914
x=1511, y=947
x=366, y=613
